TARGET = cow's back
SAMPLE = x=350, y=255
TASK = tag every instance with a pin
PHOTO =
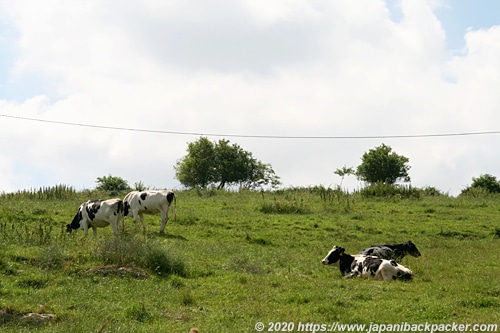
x=101, y=212
x=150, y=201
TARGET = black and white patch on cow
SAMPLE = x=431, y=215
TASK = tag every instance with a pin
x=138, y=203
x=366, y=266
x=392, y=251
x=97, y=214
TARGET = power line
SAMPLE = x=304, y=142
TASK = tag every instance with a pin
x=252, y=136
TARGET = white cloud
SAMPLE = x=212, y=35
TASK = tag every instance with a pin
x=290, y=68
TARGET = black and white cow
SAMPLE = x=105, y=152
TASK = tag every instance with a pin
x=392, y=251
x=366, y=266
x=149, y=202
x=97, y=214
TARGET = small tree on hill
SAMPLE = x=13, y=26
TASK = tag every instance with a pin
x=197, y=167
x=486, y=182
x=111, y=184
x=382, y=165
x=222, y=164
x=345, y=171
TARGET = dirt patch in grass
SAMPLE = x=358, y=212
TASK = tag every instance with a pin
x=9, y=315
x=114, y=270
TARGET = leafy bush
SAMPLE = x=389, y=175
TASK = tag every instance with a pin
x=111, y=184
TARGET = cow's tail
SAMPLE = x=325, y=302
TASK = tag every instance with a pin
x=175, y=208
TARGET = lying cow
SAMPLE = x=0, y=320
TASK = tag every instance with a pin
x=392, y=251
x=97, y=214
x=366, y=266
x=149, y=202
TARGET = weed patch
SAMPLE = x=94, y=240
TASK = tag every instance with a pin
x=284, y=206
x=132, y=251
x=139, y=313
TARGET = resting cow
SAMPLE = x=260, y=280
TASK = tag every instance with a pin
x=97, y=214
x=149, y=202
x=366, y=266
x=392, y=251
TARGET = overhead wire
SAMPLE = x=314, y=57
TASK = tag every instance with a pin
x=249, y=135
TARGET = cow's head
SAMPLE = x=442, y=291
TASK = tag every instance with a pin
x=75, y=224
x=333, y=257
x=412, y=249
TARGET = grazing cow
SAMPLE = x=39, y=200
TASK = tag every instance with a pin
x=366, y=266
x=149, y=202
x=392, y=251
x=97, y=214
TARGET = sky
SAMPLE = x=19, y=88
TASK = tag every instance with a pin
x=307, y=86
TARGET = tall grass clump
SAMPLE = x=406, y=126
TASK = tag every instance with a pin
x=335, y=196
x=127, y=250
x=51, y=257
x=27, y=234
x=390, y=191
x=57, y=192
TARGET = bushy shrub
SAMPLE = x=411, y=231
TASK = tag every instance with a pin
x=127, y=250
x=475, y=192
x=390, y=191
x=111, y=184
x=430, y=191
x=284, y=206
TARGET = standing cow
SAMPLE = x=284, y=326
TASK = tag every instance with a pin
x=97, y=214
x=149, y=202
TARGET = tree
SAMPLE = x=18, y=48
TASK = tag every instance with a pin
x=222, y=164
x=487, y=182
x=382, y=165
x=345, y=171
x=197, y=167
x=111, y=184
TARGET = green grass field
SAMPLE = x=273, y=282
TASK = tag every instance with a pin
x=232, y=259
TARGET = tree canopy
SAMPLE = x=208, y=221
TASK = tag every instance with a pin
x=485, y=181
x=111, y=184
x=222, y=164
x=383, y=165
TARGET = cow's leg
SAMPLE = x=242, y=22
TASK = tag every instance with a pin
x=94, y=230
x=164, y=220
x=114, y=225
x=122, y=217
x=386, y=272
x=143, y=224
x=85, y=227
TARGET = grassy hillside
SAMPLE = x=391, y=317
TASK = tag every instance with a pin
x=233, y=259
